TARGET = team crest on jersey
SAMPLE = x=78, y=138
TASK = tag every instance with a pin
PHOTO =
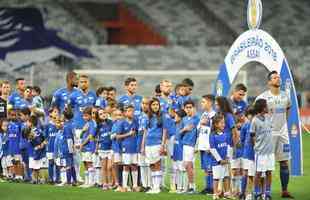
x=294, y=131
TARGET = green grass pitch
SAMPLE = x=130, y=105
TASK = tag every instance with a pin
x=299, y=187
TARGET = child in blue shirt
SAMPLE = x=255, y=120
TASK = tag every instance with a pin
x=50, y=134
x=36, y=140
x=154, y=143
x=220, y=148
x=104, y=146
x=14, y=135
x=189, y=131
x=88, y=146
x=128, y=139
x=178, y=153
x=248, y=155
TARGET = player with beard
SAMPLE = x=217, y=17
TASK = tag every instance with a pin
x=165, y=97
x=16, y=96
x=278, y=106
x=5, y=92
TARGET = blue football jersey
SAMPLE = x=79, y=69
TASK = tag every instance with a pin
x=15, y=99
x=104, y=135
x=37, y=153
x=155, y=129
x=239, y=107
x=61, y=98
x=142, y=127
x=219, y=142
x=14, y=135
x=101, y=102
x=116, y=129
x=129, y=144
x=169, y=125
x=50, y=134
x=79, y=101
x=134, y=100
x=178, y=145
x=90, y=146
x=190, y=137
x=248, y=150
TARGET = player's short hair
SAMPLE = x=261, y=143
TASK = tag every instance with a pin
x=100, y=90
x=5, y=82
x=52, y=109
x=181, y=113
x=111, y=88
x=241, y=86
x=188, y=82
x=37, y=89
x=157, y=88
x=209, y=97
x=84, y=76
x=189, y=102
x=70, y=75
x=270, y=74
x=19, y=79
x=87, y=110
x=129, y=80
x=68, y=113
x=260, y=105
x=25, y=111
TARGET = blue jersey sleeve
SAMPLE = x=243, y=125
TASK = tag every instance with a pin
x=230, y=121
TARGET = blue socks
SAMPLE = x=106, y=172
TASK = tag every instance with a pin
x=57, y=174
x=244, y=181
x=51, y=170
x=210, y=181
x=268, y=190
x=284, y=176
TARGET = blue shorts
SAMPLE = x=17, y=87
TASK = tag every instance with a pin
x=205, y=160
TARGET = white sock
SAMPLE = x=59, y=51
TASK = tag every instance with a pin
x=125, y=178
x=143, y=173
x=149, y=176
x=63, y=175
x=97, y=176
x=178, y=180
x=134, y=175
x=238, y=183
x=163, y=170
x=5, y=171
x=158, y=180
x=173, y=174
x=184, y=180
x=91, y=174
x=153, y=179
x=86, y=175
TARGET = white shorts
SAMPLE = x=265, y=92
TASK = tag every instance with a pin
x=152, y=154
x=116, y=157
x=180, y=166
x=220, y=171
x=105, y=154
x=249, y=165
x=188, y=153
x=281, y=147
x=142, y=160
x=96, y=161
x=129, y=158
x=35, y=164
x=236, y=163
x=50, y=155
x=264, y=163
x=170, y=146
x=87, y=157
x=6, y=162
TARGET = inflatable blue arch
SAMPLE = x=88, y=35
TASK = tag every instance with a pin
x=256, y=45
